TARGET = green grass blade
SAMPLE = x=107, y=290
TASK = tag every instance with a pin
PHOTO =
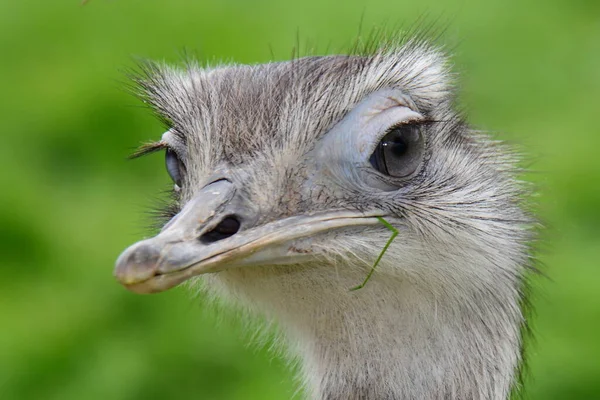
x=394, y=234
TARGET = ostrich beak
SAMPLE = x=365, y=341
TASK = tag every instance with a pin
x=188, y=246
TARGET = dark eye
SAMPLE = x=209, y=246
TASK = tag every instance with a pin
x=400, y=151
x=174, y=166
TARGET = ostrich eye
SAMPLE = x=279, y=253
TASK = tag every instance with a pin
x=173, y=166
x=400, y=151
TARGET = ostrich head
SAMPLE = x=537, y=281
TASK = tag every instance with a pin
x=283, y=173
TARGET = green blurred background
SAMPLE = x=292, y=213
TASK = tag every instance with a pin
x=70, y=202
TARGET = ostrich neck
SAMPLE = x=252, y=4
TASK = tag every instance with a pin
x=392, y=339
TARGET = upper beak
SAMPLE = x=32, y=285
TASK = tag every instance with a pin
x=187, y=245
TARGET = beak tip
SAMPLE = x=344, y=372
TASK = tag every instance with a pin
x=136, y=264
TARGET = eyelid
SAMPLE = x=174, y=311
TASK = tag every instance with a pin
x=173, y=143
x=386, y=126
x=413, y=122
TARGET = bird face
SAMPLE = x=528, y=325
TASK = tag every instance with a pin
x=293, y=163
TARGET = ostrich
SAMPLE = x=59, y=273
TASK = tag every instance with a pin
x=289, y=178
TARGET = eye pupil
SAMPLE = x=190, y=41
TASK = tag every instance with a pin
x=398, y=147
x=400, y=151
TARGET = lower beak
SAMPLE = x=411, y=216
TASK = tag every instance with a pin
x=178, y=252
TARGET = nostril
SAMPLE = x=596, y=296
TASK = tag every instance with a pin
x=226, y=228
x=229, y=226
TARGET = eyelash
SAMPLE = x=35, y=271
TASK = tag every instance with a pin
x=148, y=148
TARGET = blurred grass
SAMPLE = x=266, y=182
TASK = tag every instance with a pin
x=70, y=202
